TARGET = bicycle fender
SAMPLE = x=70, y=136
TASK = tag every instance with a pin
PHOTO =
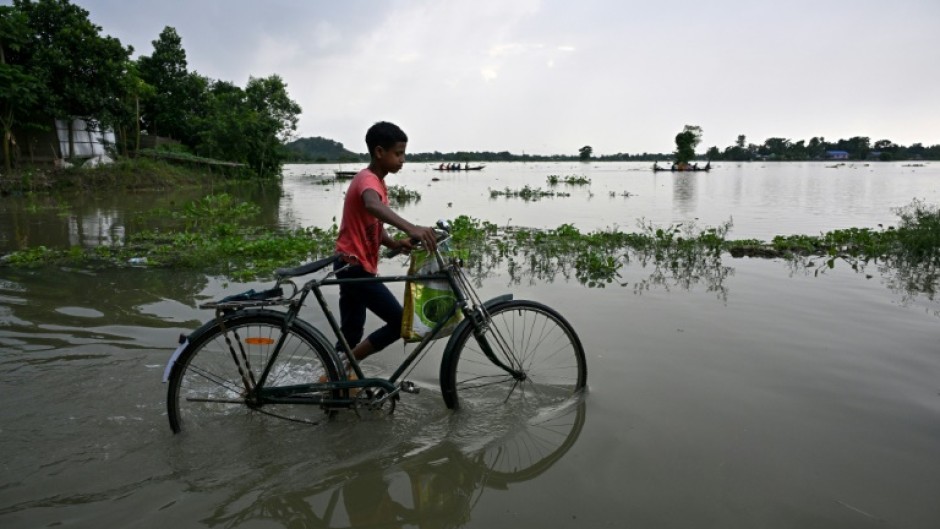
x=465, y=323
x=184, y=341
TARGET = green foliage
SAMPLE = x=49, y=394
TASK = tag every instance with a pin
x=571, y=180
x=81, y=70
x=584, y=153
x=54, y=63
x=178, y=96
x=686, y=141
x=20, y=89
x=248, y=126
x=399, y=195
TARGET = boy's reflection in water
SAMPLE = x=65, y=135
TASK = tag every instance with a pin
x=437, y=487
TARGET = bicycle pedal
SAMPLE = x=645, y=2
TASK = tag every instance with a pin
x=410, y=387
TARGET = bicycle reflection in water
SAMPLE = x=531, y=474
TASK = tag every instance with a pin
x=438, y=486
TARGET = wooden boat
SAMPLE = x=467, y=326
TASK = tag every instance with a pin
x=345, y=175
x=685, y=169
x=460, y=168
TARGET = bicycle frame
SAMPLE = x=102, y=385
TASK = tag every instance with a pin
x=466, y=301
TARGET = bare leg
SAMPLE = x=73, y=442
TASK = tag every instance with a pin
x=363, y=350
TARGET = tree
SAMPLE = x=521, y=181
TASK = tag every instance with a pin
x=776, y=148
x=276, y=120
x=249, y=126
x=81, y=70
x=19, y=89
x=179, y=97
x=816, y=149
x=584, y=153
x=127, y=111
x=686, y=141
x=857, y=147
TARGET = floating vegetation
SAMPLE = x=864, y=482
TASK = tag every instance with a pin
x=219, y=234
x=526, y=193
x=625, y=194
x=679, y=254
x=571, y=180
x=399, y=195
x=216, y=234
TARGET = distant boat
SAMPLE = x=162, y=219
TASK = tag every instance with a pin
x=460, y=168
x=681, y=169
x=345, y=175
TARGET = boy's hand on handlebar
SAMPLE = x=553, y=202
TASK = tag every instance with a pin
x=423, y=235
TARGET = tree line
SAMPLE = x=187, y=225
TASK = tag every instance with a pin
x=858, y=148
x=817, y=148
x=56, y=64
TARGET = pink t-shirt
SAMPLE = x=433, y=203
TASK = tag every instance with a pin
x=360, y=233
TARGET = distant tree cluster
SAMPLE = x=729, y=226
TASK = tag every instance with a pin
x=858, y=148
x=55, y=64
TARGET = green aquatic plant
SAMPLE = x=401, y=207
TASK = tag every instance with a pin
x=526, y=193
x=399, y=195
x=218, y=234
x=572, y=180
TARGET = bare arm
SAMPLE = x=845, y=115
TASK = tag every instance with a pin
x=375, y=207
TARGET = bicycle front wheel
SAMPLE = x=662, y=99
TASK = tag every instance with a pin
x=534, y=341
x=213, y=379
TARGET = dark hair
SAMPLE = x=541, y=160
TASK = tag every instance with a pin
x=384, y=134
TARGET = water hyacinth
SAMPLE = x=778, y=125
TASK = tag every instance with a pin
x=217, y=233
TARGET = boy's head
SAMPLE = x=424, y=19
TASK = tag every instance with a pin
x=384, y=134
x=386, y=144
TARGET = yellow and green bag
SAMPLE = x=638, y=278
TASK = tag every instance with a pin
x=427, y=302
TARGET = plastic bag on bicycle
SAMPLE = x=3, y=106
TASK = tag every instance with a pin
x=427, y=302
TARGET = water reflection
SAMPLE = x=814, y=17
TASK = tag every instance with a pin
x=684, y=192
x=434, y=485
x=96, y=228
x=83, y=220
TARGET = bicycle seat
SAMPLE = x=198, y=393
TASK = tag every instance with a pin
x=304, y=269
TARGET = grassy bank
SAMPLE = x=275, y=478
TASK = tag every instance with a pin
x=126, y=173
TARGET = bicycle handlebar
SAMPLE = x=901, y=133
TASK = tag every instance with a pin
x=442, y=227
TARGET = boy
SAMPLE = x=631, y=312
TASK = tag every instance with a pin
x=362, y=231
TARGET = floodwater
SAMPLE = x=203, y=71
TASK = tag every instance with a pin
x=756, y=395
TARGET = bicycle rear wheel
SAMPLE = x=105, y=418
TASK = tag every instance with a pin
x=207, y=387
x=531, y=338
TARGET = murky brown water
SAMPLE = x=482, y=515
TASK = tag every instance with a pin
x=770, y=398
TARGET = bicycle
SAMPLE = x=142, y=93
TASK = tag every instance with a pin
x=253, y=359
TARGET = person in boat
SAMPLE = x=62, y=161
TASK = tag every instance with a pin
x=695, y=166
x=656, y=166
x=362, y=232
x=466, y=166
x=673, y=166
x=441, y=168
x=708, y=165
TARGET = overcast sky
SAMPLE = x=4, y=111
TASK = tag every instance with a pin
x=551, y=76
